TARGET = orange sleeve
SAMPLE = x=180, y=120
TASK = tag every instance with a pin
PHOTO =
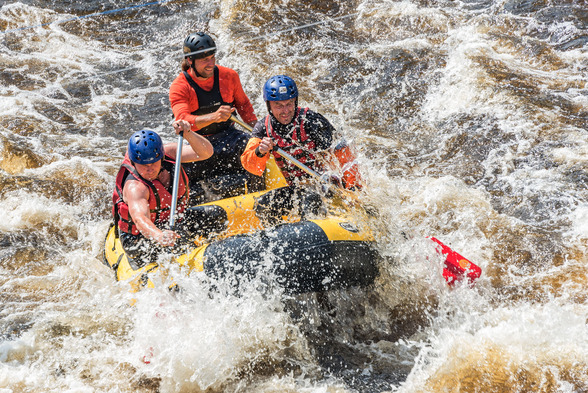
x=251, y=162
x=346, y=158
x=232, y=91
x=183, y=100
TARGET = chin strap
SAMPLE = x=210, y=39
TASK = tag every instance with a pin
x=195, y=72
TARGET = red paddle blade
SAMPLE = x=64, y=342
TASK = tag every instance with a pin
x=456, y=266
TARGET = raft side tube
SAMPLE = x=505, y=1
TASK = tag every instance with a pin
x=239, y=213
x=125, y=269
x=300, y=255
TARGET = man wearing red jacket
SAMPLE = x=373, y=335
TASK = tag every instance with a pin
x=206, y=95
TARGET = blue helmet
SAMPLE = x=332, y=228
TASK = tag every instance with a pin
x=279, y=88
x=145, y=147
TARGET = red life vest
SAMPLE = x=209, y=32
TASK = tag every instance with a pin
x=299, y=146
x=159, y=197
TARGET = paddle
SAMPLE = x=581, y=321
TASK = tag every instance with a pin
x=280, y=151
x=456, y=266
x=177, y=169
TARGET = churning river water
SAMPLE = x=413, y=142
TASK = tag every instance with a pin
x=470, y=120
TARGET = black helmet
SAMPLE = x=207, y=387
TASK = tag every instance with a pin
x=199, y=45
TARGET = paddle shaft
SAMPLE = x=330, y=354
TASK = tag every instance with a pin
x=177, y=169
x=281, y=152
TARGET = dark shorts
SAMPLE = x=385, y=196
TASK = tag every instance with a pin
x=222, y=175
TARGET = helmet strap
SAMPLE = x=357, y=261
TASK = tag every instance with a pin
x=195, y=71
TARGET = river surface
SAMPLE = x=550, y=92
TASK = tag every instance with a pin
x=470, y=120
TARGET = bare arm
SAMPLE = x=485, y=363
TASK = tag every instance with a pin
x=199, y=149
x=136, y=196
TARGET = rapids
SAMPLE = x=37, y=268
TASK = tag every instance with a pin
x=470, y=120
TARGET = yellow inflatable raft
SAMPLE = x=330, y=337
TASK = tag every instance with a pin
x=301, y=255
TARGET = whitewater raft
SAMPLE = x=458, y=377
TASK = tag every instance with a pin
x=299, y=255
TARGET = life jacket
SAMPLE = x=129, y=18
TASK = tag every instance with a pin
x=299, y=146
x=209, y=102
x=160, y=199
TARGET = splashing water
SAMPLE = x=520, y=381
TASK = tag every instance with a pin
x=470, y=119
